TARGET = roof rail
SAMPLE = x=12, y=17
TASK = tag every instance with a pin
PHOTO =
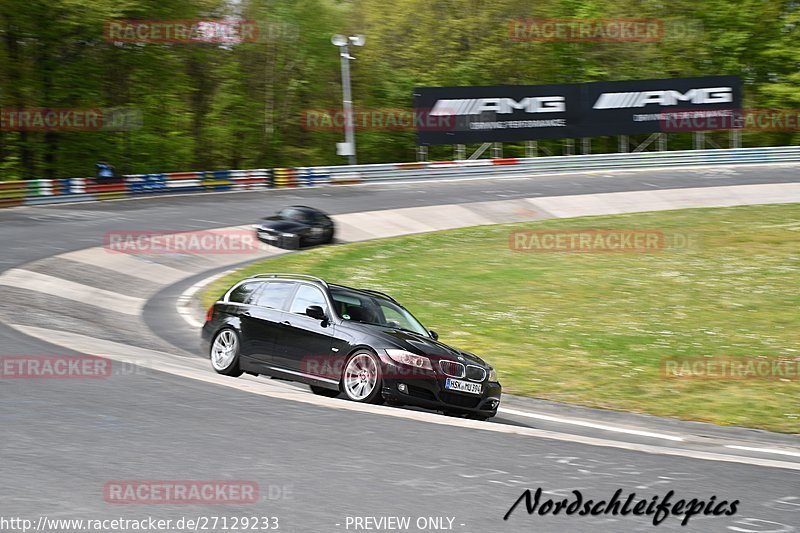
x=379, y=293
x=290, y=276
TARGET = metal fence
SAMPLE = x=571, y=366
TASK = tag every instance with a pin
x=44, y=191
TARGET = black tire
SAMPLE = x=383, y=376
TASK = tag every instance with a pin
x=372, y=365
x=223, y=363
x=322, y=391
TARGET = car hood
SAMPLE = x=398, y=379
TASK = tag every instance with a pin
x=422, y=345
x=280, y=224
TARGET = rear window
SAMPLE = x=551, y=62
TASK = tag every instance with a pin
x=242, y=293
x=274, y=295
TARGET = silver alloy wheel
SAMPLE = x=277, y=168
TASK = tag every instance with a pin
x=225, y=347
x=360, y=376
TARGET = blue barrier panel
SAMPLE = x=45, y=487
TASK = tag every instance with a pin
x=65, y=185
x=146, y=183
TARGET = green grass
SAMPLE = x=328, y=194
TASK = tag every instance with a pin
x=592, y=329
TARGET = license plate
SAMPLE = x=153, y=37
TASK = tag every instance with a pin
x=462, y=386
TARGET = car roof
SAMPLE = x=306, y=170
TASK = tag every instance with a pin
x=302, y=208
x=317, y=281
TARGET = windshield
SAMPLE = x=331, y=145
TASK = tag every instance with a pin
x=368, y=309
x=293, y=213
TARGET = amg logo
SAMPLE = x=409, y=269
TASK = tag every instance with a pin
x=709, y=95
x=476, y=106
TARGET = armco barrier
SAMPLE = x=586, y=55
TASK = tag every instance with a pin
x=311, y=176
x=284, y=177
x=217, y=180
x=185, y=181
x=38, y=192
x=146, y=183
x=12, y=193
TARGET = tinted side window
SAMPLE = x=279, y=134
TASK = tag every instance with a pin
x=307, y=295
x=274, y=294
x=243, y=292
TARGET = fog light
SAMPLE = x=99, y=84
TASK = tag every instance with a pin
x=402, y=388
x=493, y=404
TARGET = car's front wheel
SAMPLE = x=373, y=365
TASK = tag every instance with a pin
x=361, y=379
x=225, y=353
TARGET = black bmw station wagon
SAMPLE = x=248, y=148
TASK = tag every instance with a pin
x=340, y=340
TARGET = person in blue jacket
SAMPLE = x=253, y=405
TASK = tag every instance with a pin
x=104, y=171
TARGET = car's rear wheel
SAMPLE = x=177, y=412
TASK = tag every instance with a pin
x=225, y=353
x=361, y=379
x=322, y=391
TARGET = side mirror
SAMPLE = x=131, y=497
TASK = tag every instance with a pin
x=434, y=335
x=315, y=311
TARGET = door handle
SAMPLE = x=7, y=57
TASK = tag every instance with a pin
x=286, y=323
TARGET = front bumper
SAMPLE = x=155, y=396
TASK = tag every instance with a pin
x=429, y=391
x=279, y=240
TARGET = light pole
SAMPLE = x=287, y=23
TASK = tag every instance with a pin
x=348, y=147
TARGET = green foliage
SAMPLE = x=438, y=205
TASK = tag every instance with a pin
x=209, y=106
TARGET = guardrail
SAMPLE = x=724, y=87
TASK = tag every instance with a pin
x=44, y=191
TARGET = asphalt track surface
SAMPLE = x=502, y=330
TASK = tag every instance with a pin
x=63, y=440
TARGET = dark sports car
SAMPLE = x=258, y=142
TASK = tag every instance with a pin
x=296, y=226
x=357, y=342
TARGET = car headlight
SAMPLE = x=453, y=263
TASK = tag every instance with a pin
x=411, y=359
x=287, y=234
x=492, y=374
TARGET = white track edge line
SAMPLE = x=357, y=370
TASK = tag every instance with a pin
x=593, y=425
x=184, y=302
x=763, y=450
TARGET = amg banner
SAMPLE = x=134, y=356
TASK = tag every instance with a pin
x=652, y=106
x=504, y=113
x=507, y=113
